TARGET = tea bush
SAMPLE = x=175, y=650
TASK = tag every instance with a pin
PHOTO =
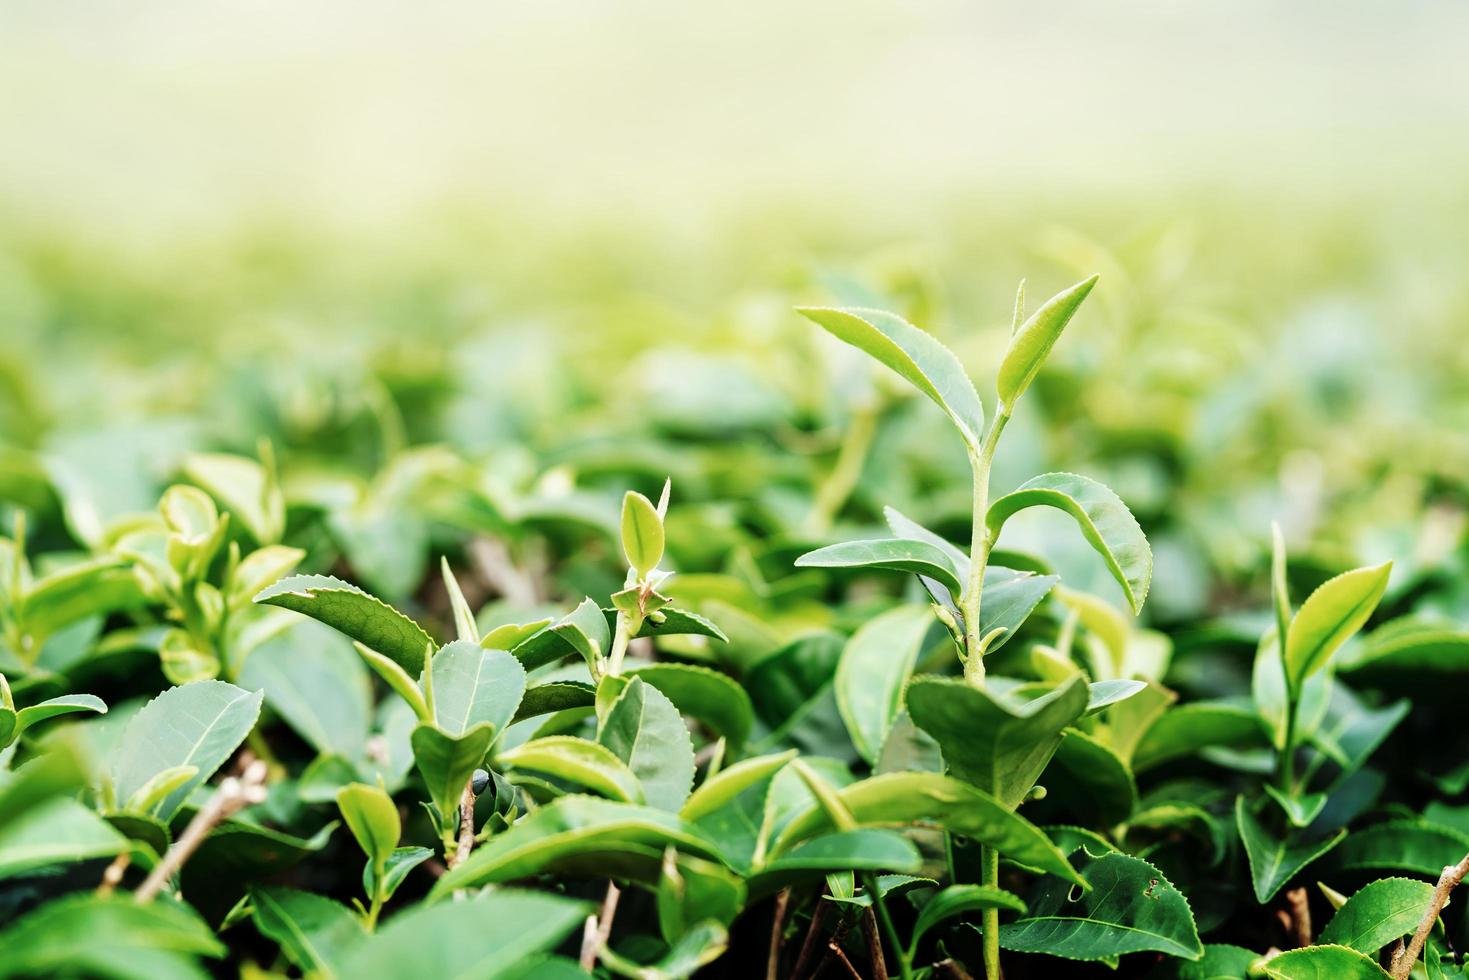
x=773, y=668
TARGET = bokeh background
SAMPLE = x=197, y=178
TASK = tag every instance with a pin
x=558, y=244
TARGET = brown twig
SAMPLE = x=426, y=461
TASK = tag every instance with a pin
x=232, y=795
x=112, y=877
x=777, y=933
x=599, y=928
x=1300, y=916
x=492, y=561
x=874, y=945
x=466, y=825
x=952, y=968
x=808, y=945
x=1402, y=963
x=841, y=956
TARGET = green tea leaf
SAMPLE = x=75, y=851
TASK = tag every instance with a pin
x=447, y=761
x=59, y=832
x=295, y=667
x=851, y=850
x=350, y=610
x=50, y=708
x=553, y=696
x=897, y=554
x=1323, y=963
x=710, y=696
x=957, y=900
x=578, y=761
x=901, y=799
x=464, y=625
x=1379, y=913
x=1424, y=658
x=1131, y=907
x=1329, y=616
x=1097, y=781
x=1414, y=846
x=1275, y=861
x=199, y=725
x=148, y=796
x=400, y=862
x=123, y=939
x=874, y=669
x=1220, y=962
x=373, y=819
x=646, y=731
x=997, y=742
x=915, y=355
x=1187, y=728
x=396, y=678
x=474, y=686
x=1103, y=518
x=642, y=533
x=483, y=936
x=1032, y=342
x=721, y=788
x=316, y=933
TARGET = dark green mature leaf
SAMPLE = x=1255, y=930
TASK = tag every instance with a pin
x=583, y=631
x=673, y=621
x=238, y=852
x=554, y=696
x=116, y=937
x=714, y=698
x=1032, y=342
x=996, y=742
x=1415, y=846
x=1103, y=518
x=929, y=799
x=1275, y=860
x=896, y=554
x=645, y=730
x=957, y=900
x=486, y=936
x=316, y=933
x=199, y=724
x=577, y=832
x=58, y=832
x=1098, y=782
x=474, y=686
x=447, y=761
x=1131, y=907
x=1419, y=657
x=1008, y=600
x=1187, y=728
x=578, y=761
x=1220, y=962
x=1379, y=913
x=873, y=671
x=362, y=616
x=1323, y=963
x=296, y=668
x=1329, y=616
x=915, y=355
x=851, y=850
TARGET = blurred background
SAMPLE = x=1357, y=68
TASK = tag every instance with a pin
x=549, y=250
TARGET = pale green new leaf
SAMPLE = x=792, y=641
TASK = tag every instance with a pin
x=1033, y=341
x=114, y=936
x=721, y=788
x=464, y=625
x=896, y=554
x=361, y=616
x=1323, y=963
x=1103, y=518
x=915, y=355
x=1329, y=616
x=642, y=533
x=373, y=819
x=50, y=708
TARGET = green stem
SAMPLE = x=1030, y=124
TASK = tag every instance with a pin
x=377, y=903
x=1288, y=750
x=889, y=931
x=990, y=918
x=620, y=640
x=979, y=551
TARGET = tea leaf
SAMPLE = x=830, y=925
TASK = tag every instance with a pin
x=553, y=696
x=957, y=900
x=1315, y=962
x=578, y=761
x=915, y=355
x=447, y=761
x=1103, y=518
x=199, y=725
x=1275, y=861
x=50, y=708
x=718, y=790
x=314, y=932
x=1379, y=913
x=1329, y=616
x=1131, y=907
x=896, y=554
x=123, y=938
x=1189, y=727
x=1102, y=782
x=645, y=730
x=296, y=667
x=59, y=832
x=464, y=625
x=873, y=671
x=1419, y=657
x=1414, y=846
x=373, y=819
x=474, y=686
x=642, y=533
x=396, y=678
x=993, y=741
x=710, y=696
x=851, y=850
x=1033, y=341
x=348, y=609
x=244, y=488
